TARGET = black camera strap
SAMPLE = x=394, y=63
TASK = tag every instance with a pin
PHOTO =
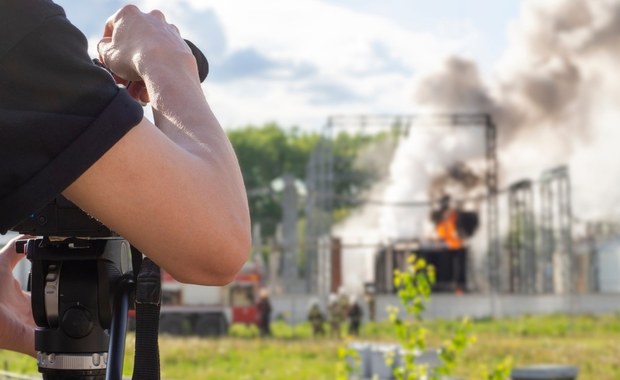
x=148, y=304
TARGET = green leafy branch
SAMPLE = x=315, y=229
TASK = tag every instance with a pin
x=414, y=286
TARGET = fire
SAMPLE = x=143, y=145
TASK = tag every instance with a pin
x=447, y=230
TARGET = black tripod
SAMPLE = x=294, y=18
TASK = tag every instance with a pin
x=81, y=284
x=80, y=299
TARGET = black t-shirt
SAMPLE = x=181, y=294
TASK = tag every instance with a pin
x=59, y=113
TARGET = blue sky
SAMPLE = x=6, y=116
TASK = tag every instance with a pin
x=297, y=62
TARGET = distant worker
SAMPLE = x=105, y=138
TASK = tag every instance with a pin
x=264, y=313
x=335, y=315
x=371, y=301
x=316, y=319
x=355, y=315
x=343, y=301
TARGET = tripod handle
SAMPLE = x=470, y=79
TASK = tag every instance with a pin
x=201, y=61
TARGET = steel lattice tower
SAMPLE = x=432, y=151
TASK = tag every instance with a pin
x=320, y=179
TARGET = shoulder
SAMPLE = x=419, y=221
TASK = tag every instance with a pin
x=20, y=17
x=29, y=10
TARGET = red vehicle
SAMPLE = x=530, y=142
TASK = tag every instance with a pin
x=209, y=310
x=243, y=297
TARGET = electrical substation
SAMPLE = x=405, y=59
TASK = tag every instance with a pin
x=517, y=239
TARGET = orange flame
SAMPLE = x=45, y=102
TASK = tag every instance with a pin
x=447, y=231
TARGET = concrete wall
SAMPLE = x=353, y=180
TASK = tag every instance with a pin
x=294, y=307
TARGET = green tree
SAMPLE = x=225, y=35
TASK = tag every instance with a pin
x=266, y=153
x=269, y=151
x=350, y=178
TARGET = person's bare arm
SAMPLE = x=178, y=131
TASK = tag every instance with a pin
x=177, y=194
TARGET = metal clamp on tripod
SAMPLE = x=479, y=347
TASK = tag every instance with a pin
x=81, y=282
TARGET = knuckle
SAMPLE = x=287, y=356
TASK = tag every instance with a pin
x=123, y=13
x=157, y=13
x=129, y=9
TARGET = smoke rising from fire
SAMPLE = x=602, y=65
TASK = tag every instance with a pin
x=555, y=98
x=557, y=93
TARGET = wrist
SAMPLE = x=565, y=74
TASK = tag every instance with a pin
x=159, y=64
x=175, y=91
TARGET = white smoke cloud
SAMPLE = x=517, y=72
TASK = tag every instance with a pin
x=555, y=100
x=559, y=84
x=425, y=154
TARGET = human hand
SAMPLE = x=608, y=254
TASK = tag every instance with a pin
x=135, y=44
x=16, y=321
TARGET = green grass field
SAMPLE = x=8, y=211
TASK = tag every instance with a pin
x=591, y=343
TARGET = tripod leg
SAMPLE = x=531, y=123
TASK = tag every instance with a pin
x=148, y=302
x=118, y=331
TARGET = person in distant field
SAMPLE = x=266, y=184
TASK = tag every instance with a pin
x=355, y=315
x=173, y=187
x=336, y=316
x=343, y=299
x=371, y=301
x=264, y=313
x=316, y=319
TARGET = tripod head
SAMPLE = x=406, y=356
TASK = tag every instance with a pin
x=62, y=218
x=81, y=280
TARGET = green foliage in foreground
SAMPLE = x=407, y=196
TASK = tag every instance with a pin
x=591, y=343
x=414, y=286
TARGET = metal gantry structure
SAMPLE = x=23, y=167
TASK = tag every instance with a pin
x=556, y=220
x=538, y=256
x=318, y=212
x=540, y=249
x=320, y=182
x=522, y=255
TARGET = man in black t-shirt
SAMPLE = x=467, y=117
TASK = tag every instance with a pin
x=172, y=188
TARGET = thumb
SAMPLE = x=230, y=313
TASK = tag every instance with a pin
x=9, y=254
x=137, y=90
x=103, y=48
x=108, y=56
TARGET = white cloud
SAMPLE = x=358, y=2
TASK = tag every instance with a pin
x=356, y=62
x=297, y=62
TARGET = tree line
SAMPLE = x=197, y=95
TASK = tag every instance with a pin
x=267, y=152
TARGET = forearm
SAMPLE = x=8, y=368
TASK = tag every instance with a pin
x=177, y=194
x=182, y=113
x=178, y=209
x=173, y=190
